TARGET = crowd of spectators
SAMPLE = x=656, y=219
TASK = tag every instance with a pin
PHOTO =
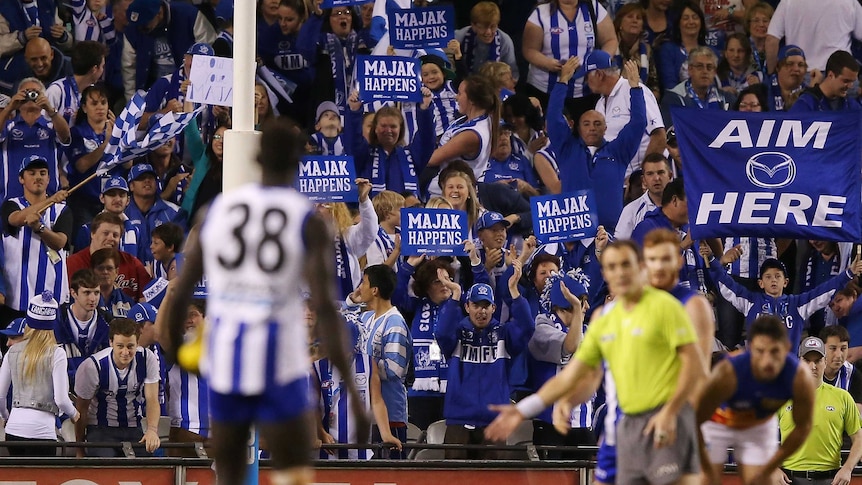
x=574, y=95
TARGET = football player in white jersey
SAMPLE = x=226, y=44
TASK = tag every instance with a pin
x=259, y=245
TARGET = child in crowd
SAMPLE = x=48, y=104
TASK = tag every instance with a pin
x=483, y=41
x=438, y=78
x=328, y=139
x=166, y=244
x=387, y=245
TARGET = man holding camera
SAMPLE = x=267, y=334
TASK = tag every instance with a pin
x=36, y=129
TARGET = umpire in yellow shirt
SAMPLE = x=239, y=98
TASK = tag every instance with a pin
x=818, y=460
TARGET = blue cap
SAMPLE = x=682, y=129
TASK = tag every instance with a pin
x=115, y=182
x=790, y=50
x=490, y=218
x=574, y=286
x=42, y=311
x=202, y=49
x=597, y=59
x=770, y=263
x=31, y=162
x=15, y=328
x=140, y=169
x=142, y=12
x=480, y=292
x=143, y=312
x=224, y=10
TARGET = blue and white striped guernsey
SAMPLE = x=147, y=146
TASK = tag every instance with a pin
x=65, y=97
x=188, y=401
x=329, y=146
x=116, y=396
x=88, y=26
x=31, y=267
x=480, y=125
x=340, y=422
x=754, y=252
x=445, y=107
x=563, y=40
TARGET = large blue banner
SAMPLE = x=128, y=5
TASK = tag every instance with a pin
x=564, y=217
x=787, y=175
x=433, y=232
x=328, y=179
x=388, y=78
x=421, y=28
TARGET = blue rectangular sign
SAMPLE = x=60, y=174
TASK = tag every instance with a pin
x=328, y=179
x=388, y=78
x=564, y=217
x=783, y=175
x=434, y=232
x=421, y=28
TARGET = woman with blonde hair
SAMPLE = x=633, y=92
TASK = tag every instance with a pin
x=36, y=369
x=459, y=190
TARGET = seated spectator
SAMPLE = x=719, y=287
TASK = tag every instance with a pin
x=105, y=232
x=40, y=390
x=507, y=167
x=176, y=25
x=45, y=62
x=88, y=65
x=788, y=80
x=147, y=210
x=752, y=99
x=188, y=403
x=387, y=245
x=30, y=117
x=483, y=41
x=114, y=198
x=673, y=56
x=847, y=306
x=437, y=77
x=91, y=133
x=478, y=372
x=144, y=314
x=735, y=70
x=700, y=90
x=756, y=25
x=830, y=94
x=109, y=406
x=328, y=139
x=81, y=329
x=386, y=160
x=166, y=246
x=656, y=172
x=629, y=24
x=114, y=301
x=36, y=232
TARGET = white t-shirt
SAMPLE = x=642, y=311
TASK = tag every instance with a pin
x=819, y=28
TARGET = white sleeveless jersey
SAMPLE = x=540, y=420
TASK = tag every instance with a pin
x=253, y=255
x=482, y=161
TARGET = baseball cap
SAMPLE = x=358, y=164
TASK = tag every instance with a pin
x=115, y=182
x=201, y=48
x=480, y=292
x=770, y=263
x=42, y=311
x=490, y=218
x=140, y=169
x=439, y=60
x=142, y=12
x=15, y=328
x=324, y=107
x=595, y=60
x=812, y=344
x=32, y=161
x=790, y=50
x=574, y=286
x=143, y=312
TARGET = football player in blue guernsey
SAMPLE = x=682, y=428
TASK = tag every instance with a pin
x=737, y=406
x=261, y=245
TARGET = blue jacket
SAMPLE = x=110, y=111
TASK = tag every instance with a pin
x=794, y=310
x=180, y=33
x=812, y=99
x=160, y=213
x=603, y=172
x=478, y=361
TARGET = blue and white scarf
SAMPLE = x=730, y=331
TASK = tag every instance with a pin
x=342, y=54
x=342, y=268
x=430, y=374
x=470, y=43
x=405, y=161
x=713, y=98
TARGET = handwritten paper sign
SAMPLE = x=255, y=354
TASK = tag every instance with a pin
x=564, y=217
x=212, y=80
x=328, y=179
x=433, y=232
x=420, y=28
x=388, y=78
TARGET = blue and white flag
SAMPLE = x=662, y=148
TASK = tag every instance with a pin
x=783, y=175
x=125, y=144
x=328, y=178
x=564, y=217
x=388, y=78
x=433, y=232
x=419, y=28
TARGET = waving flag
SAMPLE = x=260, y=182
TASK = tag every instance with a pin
x=124, y=144
x=787, y=175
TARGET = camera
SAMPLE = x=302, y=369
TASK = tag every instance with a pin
x=31, y=95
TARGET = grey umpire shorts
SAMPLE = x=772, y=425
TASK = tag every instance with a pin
x=638, y=461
